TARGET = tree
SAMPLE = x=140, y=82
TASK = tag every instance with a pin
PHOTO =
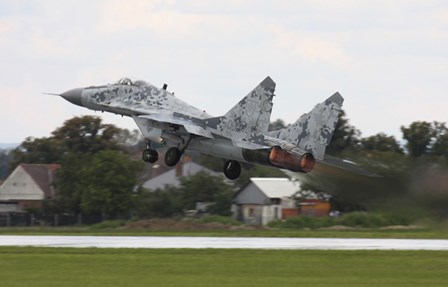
x=70, y=182
x=418, y=136
x=345, y=136
x=203, y=187
x=4, y=162
x=35, y=150
x=78, y=135
x=381, y=142
x=277, y=124
x=440, y=145
x=109, y=183
x=87, y=135
x=160, y=203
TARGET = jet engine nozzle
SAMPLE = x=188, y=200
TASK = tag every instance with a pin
x=278, y=157
x=283, y=159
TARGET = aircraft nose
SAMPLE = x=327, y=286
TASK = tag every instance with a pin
x=73, y=96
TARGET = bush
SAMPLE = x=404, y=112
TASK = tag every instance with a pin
x=303, y=222
x=220, y=219
x=109, y=224
x=353, y=219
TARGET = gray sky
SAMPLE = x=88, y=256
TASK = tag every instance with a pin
x=388, y=59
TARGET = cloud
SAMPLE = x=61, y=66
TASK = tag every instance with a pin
x=156, y=16
x=311, y=48
x=380, y=55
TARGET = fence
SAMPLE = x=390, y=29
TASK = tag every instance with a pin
x=29, y=219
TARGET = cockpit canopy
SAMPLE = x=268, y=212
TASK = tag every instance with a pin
x=128, y=82
x=124, y=81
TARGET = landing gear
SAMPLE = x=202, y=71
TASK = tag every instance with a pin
x=232, y=169
x=172, y=156
x=150, y=155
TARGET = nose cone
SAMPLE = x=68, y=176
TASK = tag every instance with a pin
x=73, y=96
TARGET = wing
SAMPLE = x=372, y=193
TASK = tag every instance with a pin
x=192, y=125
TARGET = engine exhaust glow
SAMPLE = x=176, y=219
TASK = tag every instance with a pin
x=278, y=157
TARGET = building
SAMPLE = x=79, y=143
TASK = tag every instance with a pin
x=27, y=187
x=315, y=207
x=264, y=200
x=172, y=177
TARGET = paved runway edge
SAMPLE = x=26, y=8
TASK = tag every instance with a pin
x=223, y=242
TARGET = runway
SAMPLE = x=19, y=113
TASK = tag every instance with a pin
x=223, y=242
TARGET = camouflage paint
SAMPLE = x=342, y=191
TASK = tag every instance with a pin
x=313, y=131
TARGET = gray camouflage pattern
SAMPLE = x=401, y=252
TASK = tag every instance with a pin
x=313, y=131
x=163, y=117
x=249, y=119
x=136, y=99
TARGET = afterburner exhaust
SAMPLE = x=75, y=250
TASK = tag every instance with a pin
x=280, y=158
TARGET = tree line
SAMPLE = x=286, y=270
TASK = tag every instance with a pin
x=100, y=171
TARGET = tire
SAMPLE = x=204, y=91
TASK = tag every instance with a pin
x=150, y=155
x=172, y=156
x=232, y=169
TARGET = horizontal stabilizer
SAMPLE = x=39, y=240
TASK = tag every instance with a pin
x=346, y=165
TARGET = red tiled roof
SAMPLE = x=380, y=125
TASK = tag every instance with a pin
x=43, y=175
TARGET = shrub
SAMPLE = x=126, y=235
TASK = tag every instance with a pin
x=221, y=219
x=109, y=224
x=353, y=219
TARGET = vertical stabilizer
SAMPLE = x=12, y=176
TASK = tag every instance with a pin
x=313, y=131
x=248, y=119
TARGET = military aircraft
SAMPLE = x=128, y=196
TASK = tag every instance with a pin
x=241, y=135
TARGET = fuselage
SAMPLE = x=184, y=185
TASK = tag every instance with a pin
x=162, y=118
x=133, y=99
x=141, y=98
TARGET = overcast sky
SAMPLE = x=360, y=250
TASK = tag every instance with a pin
x=388, y=59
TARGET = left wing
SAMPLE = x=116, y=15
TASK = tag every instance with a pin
x=147, y=123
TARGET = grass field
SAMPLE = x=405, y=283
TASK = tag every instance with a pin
x=360, y=233
x=188, y=267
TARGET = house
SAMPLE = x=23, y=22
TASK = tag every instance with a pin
x=27, y=187
x=264, y=200
x=315, y=207
x=172, y=177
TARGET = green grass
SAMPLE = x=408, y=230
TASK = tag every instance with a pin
x=189, y=267
x=298, y=233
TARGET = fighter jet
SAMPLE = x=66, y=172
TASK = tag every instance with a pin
x=240, y=135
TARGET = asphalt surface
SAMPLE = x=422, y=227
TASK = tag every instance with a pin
x=223, y=242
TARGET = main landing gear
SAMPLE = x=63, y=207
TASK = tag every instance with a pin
x=232, y=169
x=172, y=156
x=150, y=155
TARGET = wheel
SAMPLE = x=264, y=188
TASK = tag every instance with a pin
x=172, y=156
x=150, y=155
x=232, y=169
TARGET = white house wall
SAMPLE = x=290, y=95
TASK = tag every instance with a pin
x=271, y=213
x=20, y=186
x=252, y=214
